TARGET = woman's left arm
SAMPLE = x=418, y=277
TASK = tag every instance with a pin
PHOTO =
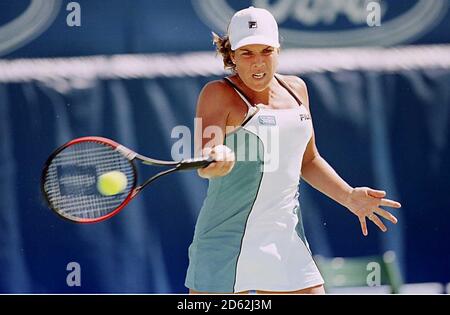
x=364, y=202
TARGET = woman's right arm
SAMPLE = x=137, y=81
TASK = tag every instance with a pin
x=210, y=129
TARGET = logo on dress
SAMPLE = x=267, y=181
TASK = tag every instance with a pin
x=304, y=117
x=267, y=120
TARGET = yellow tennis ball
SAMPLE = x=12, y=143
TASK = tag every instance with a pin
x=112, y=183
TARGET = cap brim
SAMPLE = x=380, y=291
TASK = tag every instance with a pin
x=255, y=40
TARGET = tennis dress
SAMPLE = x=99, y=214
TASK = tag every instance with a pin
x=249, y=234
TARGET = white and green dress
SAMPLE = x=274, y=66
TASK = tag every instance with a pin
x=249, y=234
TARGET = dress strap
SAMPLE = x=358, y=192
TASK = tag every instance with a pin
x=283, y=84
x=240, y=93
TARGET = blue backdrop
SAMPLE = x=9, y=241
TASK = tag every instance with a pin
x=142, y=26
x=384, y=130
x=392, y=134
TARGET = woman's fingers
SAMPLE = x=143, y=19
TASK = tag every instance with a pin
x=390, y=203
x=375, y=219
x=224, y=159
x=362, y=221
x=376, y=193
x=386, y=214
x=211, y=166
x=383, y=201
x=222, y=153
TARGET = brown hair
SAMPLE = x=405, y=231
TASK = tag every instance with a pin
x=223, y=47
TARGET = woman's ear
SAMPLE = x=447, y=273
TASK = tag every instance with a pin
x=232, y=57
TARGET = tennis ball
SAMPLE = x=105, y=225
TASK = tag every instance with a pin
x=112, y=183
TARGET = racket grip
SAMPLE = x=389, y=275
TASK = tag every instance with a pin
x=191, y=164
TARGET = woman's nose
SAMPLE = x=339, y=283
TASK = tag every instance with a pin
x=259, y=62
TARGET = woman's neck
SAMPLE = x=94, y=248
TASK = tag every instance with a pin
x=257, y=97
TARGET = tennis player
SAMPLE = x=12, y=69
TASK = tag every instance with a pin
x=249, y=234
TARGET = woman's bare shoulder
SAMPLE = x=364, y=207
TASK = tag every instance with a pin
x=217, y=87
x=217, y=91
x=297, y=85
x=216, y=96
x=294, y=82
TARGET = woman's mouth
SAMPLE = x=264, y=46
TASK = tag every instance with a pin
x=258, y=76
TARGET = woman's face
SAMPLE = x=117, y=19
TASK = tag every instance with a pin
x=256, y=65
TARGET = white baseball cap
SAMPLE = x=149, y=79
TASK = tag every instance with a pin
x=253, y=26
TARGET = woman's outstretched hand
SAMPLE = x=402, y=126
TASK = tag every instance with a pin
x=365, y=203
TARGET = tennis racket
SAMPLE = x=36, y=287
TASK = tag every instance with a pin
x=70, y=175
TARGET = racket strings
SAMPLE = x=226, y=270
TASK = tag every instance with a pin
x=71, y=180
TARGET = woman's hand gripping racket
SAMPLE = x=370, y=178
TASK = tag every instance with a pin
x=91, y=179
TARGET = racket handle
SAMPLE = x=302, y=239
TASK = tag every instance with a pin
x=191, y=164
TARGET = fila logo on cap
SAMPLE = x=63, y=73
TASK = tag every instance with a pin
x=252, y=24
